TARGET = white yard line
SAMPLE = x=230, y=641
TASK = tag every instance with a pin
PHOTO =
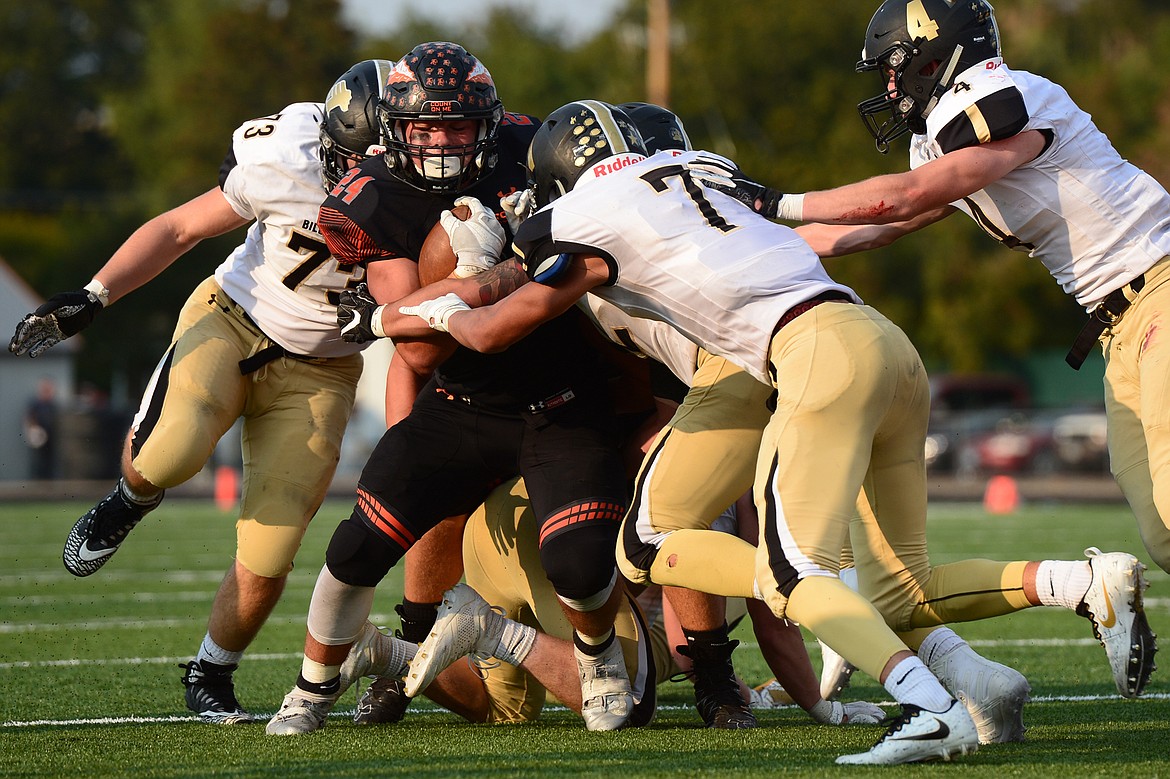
x=348, y=713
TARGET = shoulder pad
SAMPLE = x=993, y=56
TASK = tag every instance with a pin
x=997, y=116
x=549, y=269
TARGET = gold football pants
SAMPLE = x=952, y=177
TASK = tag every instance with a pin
x=294, y=413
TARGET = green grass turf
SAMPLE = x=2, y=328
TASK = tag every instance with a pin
x=89, y=683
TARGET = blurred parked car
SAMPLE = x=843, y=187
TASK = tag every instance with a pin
x=1080, y=442
x=958, y=392
x=1018, y=443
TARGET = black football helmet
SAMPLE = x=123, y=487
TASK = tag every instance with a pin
x=660, y=128
x=349, y=131
x=924, y=44
x=573, y=138
x=440, y=81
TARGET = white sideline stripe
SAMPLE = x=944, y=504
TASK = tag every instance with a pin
x=143, y=624
x=73, y=663
x=130, y=597
x=348, y=713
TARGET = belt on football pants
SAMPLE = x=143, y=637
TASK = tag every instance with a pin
x=255, y=362
x=816, y=300
x=1105, y=315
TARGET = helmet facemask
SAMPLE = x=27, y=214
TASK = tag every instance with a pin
x=440, y=82
x=445, y=168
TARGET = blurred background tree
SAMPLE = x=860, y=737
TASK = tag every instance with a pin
x=115, y=110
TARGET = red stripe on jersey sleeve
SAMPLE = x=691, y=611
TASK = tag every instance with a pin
x=348, y=242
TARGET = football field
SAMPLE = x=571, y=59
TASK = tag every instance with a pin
x=89, y=677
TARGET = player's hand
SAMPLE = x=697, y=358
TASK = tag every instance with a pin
x=851, y=713
x=732, y=181
x=356, y=314
x=518, y=206
x=477, y=241
x=62, y=316
x=437, y=312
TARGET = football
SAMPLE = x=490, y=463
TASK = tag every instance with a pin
x=436, y=260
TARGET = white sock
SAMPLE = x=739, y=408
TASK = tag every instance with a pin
x=940, y=642
x=516, y=642
x=319, y=673
x=595, y=640
x=1063, y=582
x=133, y=497
x=399, y=654
x=911, y=682
x=209, y=650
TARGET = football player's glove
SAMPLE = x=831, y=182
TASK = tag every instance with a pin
x=64, y=315
x=436, y=312
x=517, y=207
x=851, y=713
x=477, y=241
x=732, y=181
x=359, y=316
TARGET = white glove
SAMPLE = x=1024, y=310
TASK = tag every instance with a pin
x=518, y=206
x=851, y=713
x=477, y=241
x=437, y=312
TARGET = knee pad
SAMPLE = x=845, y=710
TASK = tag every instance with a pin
x=580, y=563
x=358, y=556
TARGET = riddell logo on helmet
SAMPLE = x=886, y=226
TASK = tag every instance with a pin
x=615, y=163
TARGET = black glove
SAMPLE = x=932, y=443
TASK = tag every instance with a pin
x=62, y=316
x=356, y=309
x=732, y=181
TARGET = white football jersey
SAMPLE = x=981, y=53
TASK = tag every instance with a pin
x=650, y=337
x=283, y=274
x=1095, y=220
x=692, y=257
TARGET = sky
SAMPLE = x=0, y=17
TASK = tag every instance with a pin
x=577, y=19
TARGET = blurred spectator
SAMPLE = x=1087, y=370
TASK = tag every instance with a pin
x=40, y=431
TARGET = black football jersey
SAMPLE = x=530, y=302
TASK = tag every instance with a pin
x=372, y=215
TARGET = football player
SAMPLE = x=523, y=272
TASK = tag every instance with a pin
x=540, y=409
x=851, y=413
x=503, y=569
x=993, y=693
x=257, y=341
x=1014, y=152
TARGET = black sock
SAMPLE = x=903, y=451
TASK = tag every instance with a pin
x=417, y=620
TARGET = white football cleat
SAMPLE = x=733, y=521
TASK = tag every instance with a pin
x=918, y=735
x=1113, y=604
x=465, y=625
x=770, y=695
x=606, y=699
x=368, y=656
x=301, y=712
x=836, y=672
x=993, y=693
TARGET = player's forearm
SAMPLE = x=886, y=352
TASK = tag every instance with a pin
x=145, y=254
x=782, y=646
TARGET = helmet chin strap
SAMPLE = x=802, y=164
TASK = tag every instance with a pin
x=944, y=81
